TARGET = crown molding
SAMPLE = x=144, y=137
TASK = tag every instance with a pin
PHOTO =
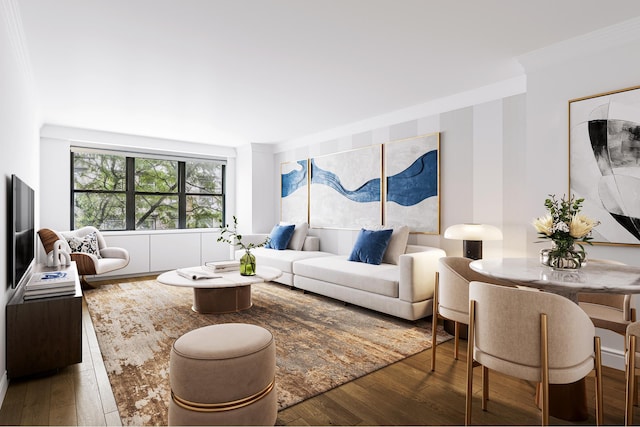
x=503, y=89
x=106, y=140
x=576, y=47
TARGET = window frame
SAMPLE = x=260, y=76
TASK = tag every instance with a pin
x=130, y=192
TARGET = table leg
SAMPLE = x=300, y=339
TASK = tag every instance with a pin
x=567, y=401
x=221, y=300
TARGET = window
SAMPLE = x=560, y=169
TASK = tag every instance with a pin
x=114, y=191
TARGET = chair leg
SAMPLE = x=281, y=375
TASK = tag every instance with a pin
x=598, y=363
x=470, y=338
x=631, y=381
x=456, y=343
x=635, y=390
x=544, y=358
x=84, y=284
x=485, y=387
x=434, y=323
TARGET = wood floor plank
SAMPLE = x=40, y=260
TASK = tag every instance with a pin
x=62, y=411
x=108, y=400
x=89, y=404
x=37, y=402
x=63, y=389
x=13, y=404
x=63, y=416
x=113, y=419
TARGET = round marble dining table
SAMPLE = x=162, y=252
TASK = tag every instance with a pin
x=595, y=276
x=566, y=401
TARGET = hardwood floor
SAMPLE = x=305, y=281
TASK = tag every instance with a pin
x=408, y=393
x=77, y=395
x=405, y=393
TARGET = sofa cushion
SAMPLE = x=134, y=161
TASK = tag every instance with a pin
x=299, y=235
x=370, y=246
x=282, y=260
x=397, y=245
x=280, y=236
x=379, y=279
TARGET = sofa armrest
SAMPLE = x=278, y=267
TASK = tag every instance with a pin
x=311, y=243
x=418, y=272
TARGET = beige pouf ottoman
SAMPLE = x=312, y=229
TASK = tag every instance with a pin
x=223, y=375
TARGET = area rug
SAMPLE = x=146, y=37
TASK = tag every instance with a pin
x=320, y=342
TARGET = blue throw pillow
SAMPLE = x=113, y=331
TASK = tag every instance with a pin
x=280, y=236
x=370, y=246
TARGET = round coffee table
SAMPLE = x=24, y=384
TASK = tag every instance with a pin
x=230, y=292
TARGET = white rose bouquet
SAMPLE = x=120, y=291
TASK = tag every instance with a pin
x=565, y=226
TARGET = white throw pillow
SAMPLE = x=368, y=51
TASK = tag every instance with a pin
x=299, y=234
x=397, y=245
x=87, y=244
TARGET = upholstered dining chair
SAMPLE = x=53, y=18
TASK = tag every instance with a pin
x=608, y=311
x=105, y=259
x=451, y=297
x=534, y=336
x=632, y=358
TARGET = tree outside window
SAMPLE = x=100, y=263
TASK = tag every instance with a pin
x=116, y=192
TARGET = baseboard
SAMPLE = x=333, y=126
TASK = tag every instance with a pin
x=613, y=358
x=4, y=386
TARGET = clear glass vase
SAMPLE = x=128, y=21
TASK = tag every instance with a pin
x=563, y=258
x=248, y=264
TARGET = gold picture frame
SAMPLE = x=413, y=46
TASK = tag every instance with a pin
x=604, y=163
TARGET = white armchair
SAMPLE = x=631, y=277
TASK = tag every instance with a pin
x=105, y=260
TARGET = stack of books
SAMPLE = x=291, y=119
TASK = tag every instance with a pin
x=223, y=266
x=196, y=273
x=50, y=284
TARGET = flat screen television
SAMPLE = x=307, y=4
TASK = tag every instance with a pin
x=22, y=233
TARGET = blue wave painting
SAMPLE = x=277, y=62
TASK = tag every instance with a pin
x=367, y=192
x=295, y=179
x=416, y=183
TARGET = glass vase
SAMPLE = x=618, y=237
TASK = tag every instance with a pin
x=563, y=259
x=248, y=264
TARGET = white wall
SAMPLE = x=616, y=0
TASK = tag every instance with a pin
x=604, y=61
x=56, y=142
x=551, y=84
x=481, y=157
x=19, y=126
x=502, y=153
x=150, y=251
x=255, y=202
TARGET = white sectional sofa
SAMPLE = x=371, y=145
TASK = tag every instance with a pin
x=283, y=259
x=404, y=290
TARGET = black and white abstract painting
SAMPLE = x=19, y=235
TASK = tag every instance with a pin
x=604, y=163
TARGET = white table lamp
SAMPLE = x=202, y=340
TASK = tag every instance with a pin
x=472, y=236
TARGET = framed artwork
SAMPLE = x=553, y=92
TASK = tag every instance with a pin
x=294, y=191
x=345, y=189
x=604, y=163
x=412, y=178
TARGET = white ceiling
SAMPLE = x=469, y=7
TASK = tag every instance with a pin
x=228, y=72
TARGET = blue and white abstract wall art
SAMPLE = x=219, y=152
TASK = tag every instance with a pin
x=294, y=189
x=604, y=163
x=345, y=189
x=412, y=174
